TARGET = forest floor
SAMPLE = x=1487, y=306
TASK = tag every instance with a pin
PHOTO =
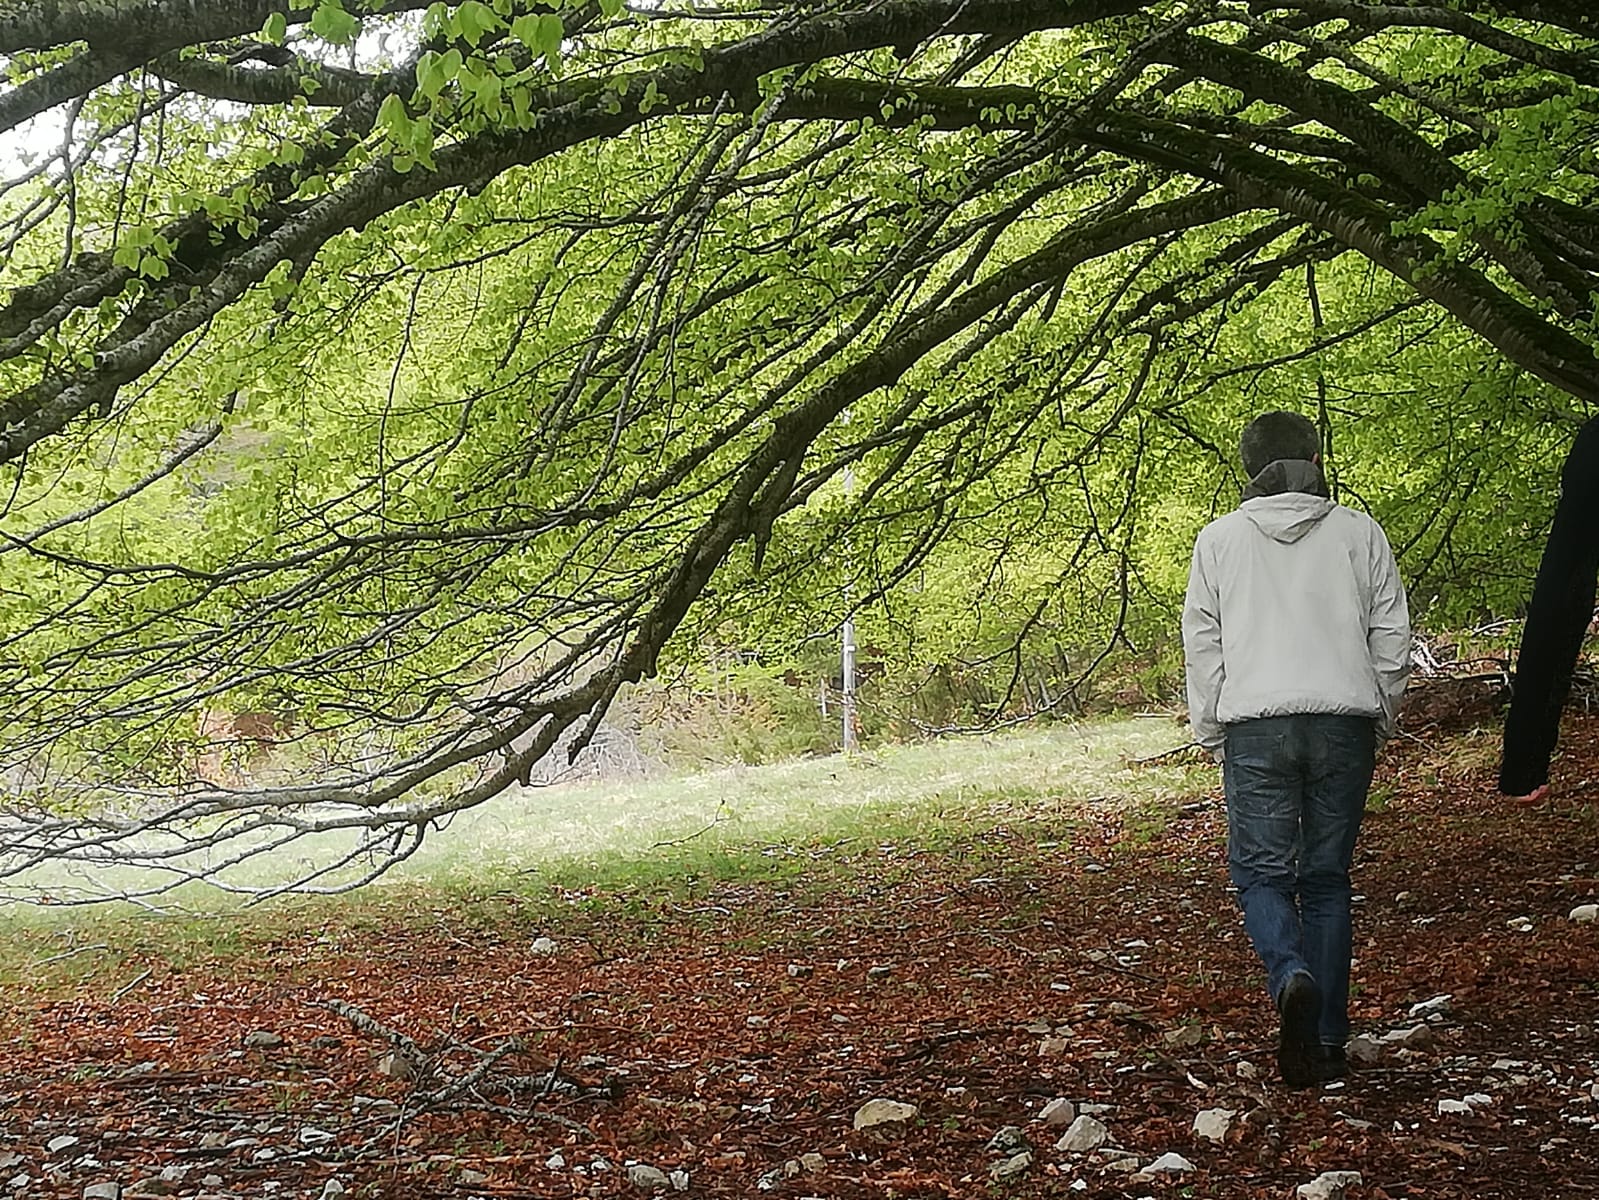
x=726, y=1034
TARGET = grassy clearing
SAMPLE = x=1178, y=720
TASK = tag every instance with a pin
x=610, y=843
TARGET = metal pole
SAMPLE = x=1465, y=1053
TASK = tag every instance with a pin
x=849, y=685
x=848, y=636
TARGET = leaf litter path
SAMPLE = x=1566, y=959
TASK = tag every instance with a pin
x=736, y=1035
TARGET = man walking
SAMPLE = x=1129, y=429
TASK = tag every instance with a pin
x=1297, y=642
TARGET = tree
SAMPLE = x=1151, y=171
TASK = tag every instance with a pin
x=349, y=345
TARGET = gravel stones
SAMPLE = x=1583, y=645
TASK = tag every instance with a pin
x=1169, y=1163
x=1013, y=1167
x=1438, y=1006
x=1058, y=1113
x=1329, y=1185
x=1008, y=1140
x=1364, y=1049
x=648, y=1179
x=883, y=1112
x=1184, y=1037
x=1085, y=1134
x=1212, y=1124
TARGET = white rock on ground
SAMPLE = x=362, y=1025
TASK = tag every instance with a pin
x=883, y=1112
x=103, y=1191
x=1053, y=1047
x=470, y=1177
x=1365, y=1049
x=1247, y=1070
x=679, y=1180
x=1329, y=1185
x=1169, y=1164
x=1212, y=1124
x=1013, y=1167
x=648, y=1179
x=262, y=1039
x=61, y=1142
x=1412, y=1038
x=1085, y=1134
x=1585, y=914
x=556, y=1161
x=1453, y=1108
x=544, y=947
x=1058, y=1112
x=331, y=1190
x=1437, y=1006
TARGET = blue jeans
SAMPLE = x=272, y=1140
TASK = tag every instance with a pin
x=1296, y=789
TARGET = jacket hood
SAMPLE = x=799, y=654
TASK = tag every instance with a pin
x=1286, y=517
x=1288, y=475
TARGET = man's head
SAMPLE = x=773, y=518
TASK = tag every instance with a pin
x=1276, y=435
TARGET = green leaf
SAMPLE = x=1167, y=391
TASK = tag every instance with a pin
x=393, y=119
x=547, y=40
x=473, y=19
x=436, y=71
x=332, y=24
x=275, y=29
x=525, y=29
x=611, y=8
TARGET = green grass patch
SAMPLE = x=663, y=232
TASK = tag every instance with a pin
x=544, y=856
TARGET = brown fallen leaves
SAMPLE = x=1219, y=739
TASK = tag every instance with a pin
x=685, y=1043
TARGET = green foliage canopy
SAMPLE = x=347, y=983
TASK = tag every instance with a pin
x=425, y=373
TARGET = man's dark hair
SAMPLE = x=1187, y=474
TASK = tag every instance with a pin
x=1276, y=435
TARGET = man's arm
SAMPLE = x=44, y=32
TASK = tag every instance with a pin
x=1202, y=655
x=1388, y=633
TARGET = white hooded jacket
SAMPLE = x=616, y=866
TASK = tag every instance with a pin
x=1294, y=606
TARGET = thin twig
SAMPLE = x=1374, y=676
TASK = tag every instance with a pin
x=130, y=985
x=71, y=954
